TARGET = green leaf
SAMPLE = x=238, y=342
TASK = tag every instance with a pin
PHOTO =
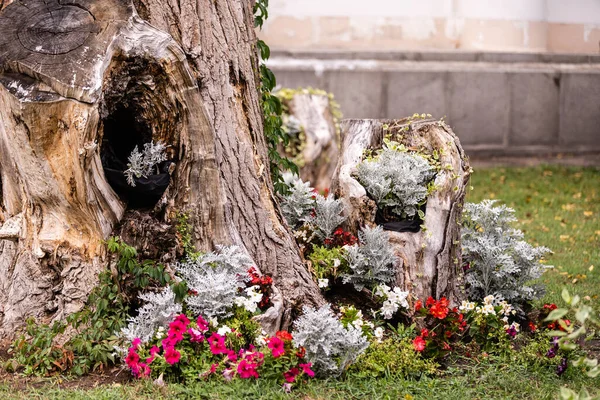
x=556, y=314
x=566, y=296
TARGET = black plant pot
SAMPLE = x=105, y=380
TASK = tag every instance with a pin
x=405, y=225
x=145, y=193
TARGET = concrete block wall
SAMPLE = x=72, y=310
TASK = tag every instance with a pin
x=498, y=104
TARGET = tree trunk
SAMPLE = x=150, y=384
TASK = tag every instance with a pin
x=85, y=83
x=430, y=259
x=317, y=145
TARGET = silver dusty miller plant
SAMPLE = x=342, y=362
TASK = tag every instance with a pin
x=372, y=260
x=297, y=205
x=215, y=278
x=302, y=205
x=497, y=260
x=141, y=164
x=159, y=310
x=327, y=216
x=396, y=180
x=330, y=347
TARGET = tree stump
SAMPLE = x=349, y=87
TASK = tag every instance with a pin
x=315, y=147
x=84, y=83
x=429, y=261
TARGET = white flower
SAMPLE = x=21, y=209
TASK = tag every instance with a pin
x=323, y=283
x=399, y=297
x=358, y=323
x=467, y=306
x=213, y=322
x=370, y=325
x=488, y=299
x=388, y=309
x=382, y=290
x=488, y=309
x=336, y=263
x=160, y=332
x=224, y=330
x=378, y=333
x=261, y=340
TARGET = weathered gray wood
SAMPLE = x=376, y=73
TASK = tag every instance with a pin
x=320, y=147
x=65, y=69
x=429, y=260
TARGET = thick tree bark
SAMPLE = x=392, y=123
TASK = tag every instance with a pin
x=85, y=78
x=429, y=260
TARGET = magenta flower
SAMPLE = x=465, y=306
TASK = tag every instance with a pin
x=143, y=371
x=177, y=327
x=291, y=375
x=195, y=335
x=172, y=356
x=135, y=343
x=217, y=344
x=183, y=319
x=306, y=369
x=202, y=324
x=232, y=356
x=247, y=370
x=276, y=346
x=172, y=339
x=132, y=359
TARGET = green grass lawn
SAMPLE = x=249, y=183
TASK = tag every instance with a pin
x=557, y=207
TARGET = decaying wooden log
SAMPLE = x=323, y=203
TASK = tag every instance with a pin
x=318, y=145
x=429, y=260
x=85, y=81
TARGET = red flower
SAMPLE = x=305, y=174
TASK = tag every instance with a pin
x=418, y=305
x=172, y=356
x=550, y=307
x=532, y=327
x=419, y=344
x=247, y=370
x=438, y=310
x=445, y=346
x=276, y=346
x=448, y=334
x=444, y=302
x=291, y=375
x=217, y=344
x=284, y=335
x=430, y=301
x=424, y=332
x=301, y=352
x=306, y=369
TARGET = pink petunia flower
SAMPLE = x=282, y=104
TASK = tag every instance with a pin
x=183, y=319
x=135, y=343
x=195, y=335
x=132, y=359
x=172, y=356
x=277, y=347
x=306, y=369
x=247, y=370
x=177, y=327
x=202, y=324
x=228, y=374
x=291, y=375
x=144, y=370
x=232, y=356
x=217, y=343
